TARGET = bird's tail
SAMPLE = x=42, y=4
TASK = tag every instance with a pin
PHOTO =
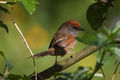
x=44, y=53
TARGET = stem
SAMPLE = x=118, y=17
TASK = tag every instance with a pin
x=78, y=56
x=115, y=70
x=3, y=2
x=98, y=66
x=23, y=38
x=102, y=72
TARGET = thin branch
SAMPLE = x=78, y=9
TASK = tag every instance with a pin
x=23, y=38
x=115, y=70
x=69, y=61
x=3, y=2
x=103, y=73
x=116, y=61
x=98, y=65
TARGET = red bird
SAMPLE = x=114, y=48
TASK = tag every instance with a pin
x=64, y=39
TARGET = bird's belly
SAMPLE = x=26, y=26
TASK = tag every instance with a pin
x=69, y=48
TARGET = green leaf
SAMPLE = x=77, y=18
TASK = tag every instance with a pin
x=14, y=77
x=88, y=39
x=102, y=39
x=12, y=3
x=30, y=5
x=8, y=66
x=3, y=26
x=65, y=74
x=97, y=13
x=17, y=77
x=1, y=74
x=115, y=51
x=81, y=74
x=4, y=9
x=116, y=29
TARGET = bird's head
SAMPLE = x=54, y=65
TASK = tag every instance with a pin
x=73, y=27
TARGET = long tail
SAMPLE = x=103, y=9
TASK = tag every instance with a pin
x=44, y=53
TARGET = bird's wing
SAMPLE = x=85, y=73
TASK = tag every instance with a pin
x=63, y=42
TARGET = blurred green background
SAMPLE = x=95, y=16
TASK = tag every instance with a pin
x=39, y=29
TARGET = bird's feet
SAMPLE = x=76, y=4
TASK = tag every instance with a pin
x=72, y=55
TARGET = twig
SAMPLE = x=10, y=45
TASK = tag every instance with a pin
x=3, y=2
x=103, y=72
x=70, y=61
x=98, y=66
x=115, y=70
x=23, y=38
x=67, y=62
x=116, y=61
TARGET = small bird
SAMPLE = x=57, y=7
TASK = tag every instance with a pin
x=64, y=40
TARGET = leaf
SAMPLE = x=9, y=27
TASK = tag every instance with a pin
x=97, y=13
x=4, y=9
x=88, y=39
x=30, y=5
x=81, y=74
x=65, y=74
x=108, y=31
x=102, y=39
x=8, y=66
x=4, y=26
x=12, y=3
x=17, y=77
x=115, y=51
x=116, y=29
x=62, y=76
x=1, y=74
x=14, y=77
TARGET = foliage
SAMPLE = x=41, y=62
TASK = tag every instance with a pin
x=30, y=5
x=80, y=74
x=97, y=13
x=101, y=40
x=6, y=75
x=2, y=25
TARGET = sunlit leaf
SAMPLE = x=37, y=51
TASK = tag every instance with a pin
x=97, y=13
x=116, y=29
x=3, y=26
x=30, y=5
x=115, y=51
x=108, y=31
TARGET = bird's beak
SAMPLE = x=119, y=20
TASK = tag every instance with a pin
x=81, y=29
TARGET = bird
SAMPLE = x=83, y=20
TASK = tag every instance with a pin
x=64, y=40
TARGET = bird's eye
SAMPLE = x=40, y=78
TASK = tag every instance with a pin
x=75, y=28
